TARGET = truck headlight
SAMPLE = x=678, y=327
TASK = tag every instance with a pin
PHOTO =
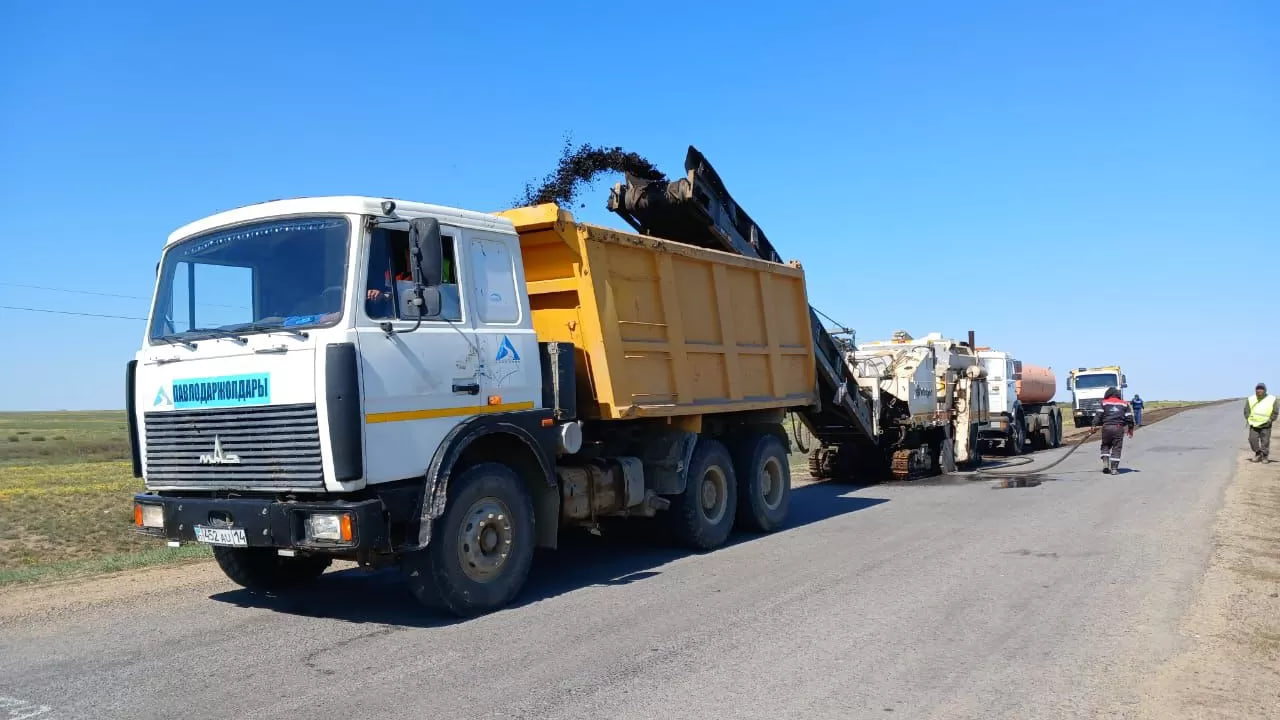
x=335, y=527
x=148, y=516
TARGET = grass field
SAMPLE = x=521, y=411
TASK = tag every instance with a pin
x=47, y=438
x=65, y=484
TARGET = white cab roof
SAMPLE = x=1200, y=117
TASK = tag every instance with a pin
x=341, y=204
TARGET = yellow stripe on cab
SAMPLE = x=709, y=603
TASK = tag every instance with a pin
x=403, y=415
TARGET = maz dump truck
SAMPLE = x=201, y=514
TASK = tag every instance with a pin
x=439, y=390
x=1087, y=386
x=290, y=406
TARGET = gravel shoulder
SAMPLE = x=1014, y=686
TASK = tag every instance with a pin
x=1230, y=664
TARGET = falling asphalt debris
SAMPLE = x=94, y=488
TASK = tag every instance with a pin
x=580, y=166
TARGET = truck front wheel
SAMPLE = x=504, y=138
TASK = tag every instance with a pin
x=481, y=547
x=702, y=516
x=266, y=569
x=1017, y=435
x=764, y=482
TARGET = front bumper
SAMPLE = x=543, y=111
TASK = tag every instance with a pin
x=270, y=523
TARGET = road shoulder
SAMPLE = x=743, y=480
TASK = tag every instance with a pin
x=1230, y=664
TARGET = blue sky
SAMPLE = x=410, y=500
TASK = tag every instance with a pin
x=1081, y=183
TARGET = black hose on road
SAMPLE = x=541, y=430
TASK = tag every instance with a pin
x=1029, y=460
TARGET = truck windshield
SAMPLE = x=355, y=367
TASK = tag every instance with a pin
x=1095, y=382
x=273, y=275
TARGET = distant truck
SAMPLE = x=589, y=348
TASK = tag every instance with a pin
x=1023, y=414
x=1087, y=386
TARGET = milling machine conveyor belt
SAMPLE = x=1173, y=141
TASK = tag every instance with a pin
x=697, y=210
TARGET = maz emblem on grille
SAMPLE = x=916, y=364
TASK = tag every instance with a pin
x=217, y=457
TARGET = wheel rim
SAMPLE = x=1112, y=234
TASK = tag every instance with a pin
x=713, y=495
x=771, y=483
x=484, y=539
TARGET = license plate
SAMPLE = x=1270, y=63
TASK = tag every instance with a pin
x=221, y=536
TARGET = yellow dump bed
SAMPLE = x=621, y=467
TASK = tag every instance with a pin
x=662, y=328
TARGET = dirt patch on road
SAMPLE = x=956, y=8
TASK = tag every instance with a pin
x=1231, y=666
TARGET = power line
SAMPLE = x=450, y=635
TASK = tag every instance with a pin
x=68, y=312
x=111, y=295
x=77, y=292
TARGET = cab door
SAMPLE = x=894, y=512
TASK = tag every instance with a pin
x=511, y=377
x=417, y=384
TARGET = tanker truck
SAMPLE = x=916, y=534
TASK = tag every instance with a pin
x=1023, y=413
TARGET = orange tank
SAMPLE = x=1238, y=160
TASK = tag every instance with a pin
x=1036, y=386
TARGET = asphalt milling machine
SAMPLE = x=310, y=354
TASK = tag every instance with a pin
x=896, y=410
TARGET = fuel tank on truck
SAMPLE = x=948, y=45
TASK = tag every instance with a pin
x=1036, y=386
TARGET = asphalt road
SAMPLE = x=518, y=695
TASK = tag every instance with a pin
x=939, y=600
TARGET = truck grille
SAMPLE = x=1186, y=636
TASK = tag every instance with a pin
x=273, y=447
x=1090, y=404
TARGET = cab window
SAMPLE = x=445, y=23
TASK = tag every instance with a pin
x=388, y=286
x=493, y=271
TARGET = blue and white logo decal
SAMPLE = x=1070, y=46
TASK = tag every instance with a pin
x=226, y=391
x=507, y=351
x=162, y=398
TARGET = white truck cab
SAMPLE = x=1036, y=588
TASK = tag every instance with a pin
x=287, y=390
x=1087, y=386
x=256, y=306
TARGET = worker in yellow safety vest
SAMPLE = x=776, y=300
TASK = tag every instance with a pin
x=1260, y=411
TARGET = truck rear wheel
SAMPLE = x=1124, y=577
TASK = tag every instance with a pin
x=481, y=547
x=1042, y=436
x=764, y=482
x=703, y=515
x=1017, y=436
x=266, y=569
x=1049, y=433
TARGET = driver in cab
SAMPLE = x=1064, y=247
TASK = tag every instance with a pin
x=388, y=269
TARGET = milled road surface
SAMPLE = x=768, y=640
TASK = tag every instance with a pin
x=942, y=600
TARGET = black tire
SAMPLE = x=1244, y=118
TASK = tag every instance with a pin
x=1017, y=436
x=1055, y=423
x=703, y=521
x=764, y=482
x=1047, y=432
x=464, y=569
x=266, y=569
x=1043, y=438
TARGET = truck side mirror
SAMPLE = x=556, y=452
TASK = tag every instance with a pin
x=430, y=301
x=428, y=253
x=1124, y=381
